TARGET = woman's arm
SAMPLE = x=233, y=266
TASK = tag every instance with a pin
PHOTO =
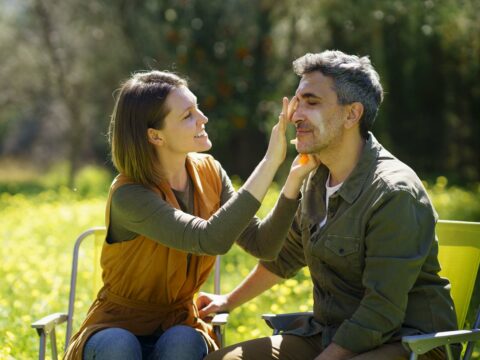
x=264, y=238
x=140, y=211
x=136, y=210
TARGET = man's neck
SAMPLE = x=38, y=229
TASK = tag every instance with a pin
x=342, y=158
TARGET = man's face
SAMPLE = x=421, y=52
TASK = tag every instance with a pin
x=318, y=118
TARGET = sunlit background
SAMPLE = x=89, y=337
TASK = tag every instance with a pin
x=62, y=61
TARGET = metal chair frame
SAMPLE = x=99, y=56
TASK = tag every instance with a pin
x=46, y=326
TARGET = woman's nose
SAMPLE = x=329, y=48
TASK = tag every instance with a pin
x=202, y=118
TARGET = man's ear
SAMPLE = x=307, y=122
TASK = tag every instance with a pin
x=355, y=112
x=154, y=137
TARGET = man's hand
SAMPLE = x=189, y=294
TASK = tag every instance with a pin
x=209, y=304
x=335, y=352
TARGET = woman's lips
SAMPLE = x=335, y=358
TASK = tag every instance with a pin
x=202, y=133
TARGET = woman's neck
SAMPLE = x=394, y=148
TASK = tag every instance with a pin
x=174, y=170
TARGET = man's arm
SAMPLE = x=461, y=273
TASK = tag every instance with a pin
x=258, y=281
x=261, y=278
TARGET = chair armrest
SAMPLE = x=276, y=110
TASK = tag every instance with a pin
x=48, y=323
x=220, y=319
x=420, y=344
x=282, y=322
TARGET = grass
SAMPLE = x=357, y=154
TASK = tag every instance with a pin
x=39, y=228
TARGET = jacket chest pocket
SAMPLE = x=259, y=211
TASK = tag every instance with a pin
x=343, y=255
x=342, y=245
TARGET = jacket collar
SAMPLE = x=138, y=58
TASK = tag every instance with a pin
x=353, y=185
x=314, y=191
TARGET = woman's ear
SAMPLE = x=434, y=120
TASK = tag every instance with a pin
x=355, y=112
x=154, y=137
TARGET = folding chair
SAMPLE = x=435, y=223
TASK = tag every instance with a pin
x=459, y=256
x=46, y=327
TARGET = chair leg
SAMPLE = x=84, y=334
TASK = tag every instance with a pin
x=43, y=345
x=220, y=333
x=471, y=344
x=53, y=344
x=448, y=351
x=413, y=356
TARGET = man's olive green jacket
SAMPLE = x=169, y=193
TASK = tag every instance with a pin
x=374, y=264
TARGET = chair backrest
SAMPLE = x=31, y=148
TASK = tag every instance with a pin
x=459, y=256
x=90, y=250
x=90, y=281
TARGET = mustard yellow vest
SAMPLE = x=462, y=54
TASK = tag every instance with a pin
x=147, y=287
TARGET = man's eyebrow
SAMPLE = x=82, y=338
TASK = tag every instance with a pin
x=310, y=96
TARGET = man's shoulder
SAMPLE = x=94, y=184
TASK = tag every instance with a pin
x=395, y=176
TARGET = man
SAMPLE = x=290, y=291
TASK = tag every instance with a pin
x=365, y=229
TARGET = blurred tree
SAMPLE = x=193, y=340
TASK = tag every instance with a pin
x=231, y=63
x=67, y=57
x=67, y=88
x=428, y=55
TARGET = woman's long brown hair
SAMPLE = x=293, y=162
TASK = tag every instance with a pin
x=140, y=105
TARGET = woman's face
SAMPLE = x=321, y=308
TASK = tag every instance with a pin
x=184, y=126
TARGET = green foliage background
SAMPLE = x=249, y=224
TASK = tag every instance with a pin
x=37, y=235
x=66, y=58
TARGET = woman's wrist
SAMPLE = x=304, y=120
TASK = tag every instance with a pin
x=292, y=187
x=271, y=162
x=258, y=183
x=231, y=301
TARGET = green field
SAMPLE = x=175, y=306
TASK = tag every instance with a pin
x=38, y=231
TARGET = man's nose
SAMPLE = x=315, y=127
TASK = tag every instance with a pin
x=297, y=115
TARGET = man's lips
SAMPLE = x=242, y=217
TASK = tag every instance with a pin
x=301, y=131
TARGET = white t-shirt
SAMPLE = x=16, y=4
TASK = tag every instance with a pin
x=330, y=190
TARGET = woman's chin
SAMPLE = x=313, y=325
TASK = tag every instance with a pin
x=205, y=146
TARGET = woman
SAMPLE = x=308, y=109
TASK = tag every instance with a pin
x=169, y=211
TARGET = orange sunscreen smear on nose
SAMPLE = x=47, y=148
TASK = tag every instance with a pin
x=303, y=159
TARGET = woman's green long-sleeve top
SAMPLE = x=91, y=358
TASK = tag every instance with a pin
x=138, y=210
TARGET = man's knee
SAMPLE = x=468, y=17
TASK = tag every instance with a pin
x=229, y=353
x=271, y=348
x=256, y=349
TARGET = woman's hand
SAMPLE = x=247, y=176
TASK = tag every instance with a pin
x=299, y=170
x=277, y=147
x=302, y=165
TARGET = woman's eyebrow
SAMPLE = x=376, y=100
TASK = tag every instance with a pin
x=194, y=103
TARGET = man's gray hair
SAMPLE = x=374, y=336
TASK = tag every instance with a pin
x=354, y=78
